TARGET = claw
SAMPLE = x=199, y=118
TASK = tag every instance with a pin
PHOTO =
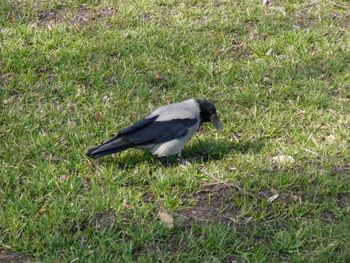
x=182, y=161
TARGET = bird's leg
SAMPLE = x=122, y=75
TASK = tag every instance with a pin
x=181, y=160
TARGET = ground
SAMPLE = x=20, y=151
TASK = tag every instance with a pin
x=273, y=186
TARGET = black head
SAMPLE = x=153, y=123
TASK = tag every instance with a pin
x=208, y=113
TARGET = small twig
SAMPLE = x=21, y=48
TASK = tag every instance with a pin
x=225, y=183
x=312, y=152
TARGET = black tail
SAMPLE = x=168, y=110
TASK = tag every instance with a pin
x=114, y=145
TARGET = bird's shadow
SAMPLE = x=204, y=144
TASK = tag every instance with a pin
x=200, y=151
x=217, y=149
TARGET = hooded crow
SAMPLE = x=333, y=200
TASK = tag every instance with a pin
x=164, y=132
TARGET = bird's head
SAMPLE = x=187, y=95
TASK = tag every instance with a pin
x=208, y=113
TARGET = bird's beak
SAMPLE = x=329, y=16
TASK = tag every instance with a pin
x=216, y=121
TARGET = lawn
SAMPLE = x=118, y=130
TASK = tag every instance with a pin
x=273, y=186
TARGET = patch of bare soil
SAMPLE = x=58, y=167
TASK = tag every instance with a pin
x=286, y=199
x=305, y=20
x=149, y=197
x=10, y=257
x=5, y=78
x=73, y=17
x=214, y=203
x=341, y=170
x=341, y=19
x=104, y=219
x=343, y=200
x=329, y=218
x=100, y=220
x=304, y=17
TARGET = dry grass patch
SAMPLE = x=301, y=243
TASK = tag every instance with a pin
x=73, y=17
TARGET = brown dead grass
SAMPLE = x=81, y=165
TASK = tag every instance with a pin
x=73, y=17
x=341, y=170
x=309, y=15
x=11, y=257
x=214, y=203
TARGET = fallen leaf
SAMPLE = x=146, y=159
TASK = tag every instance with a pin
x=272, y=198
x=158, y=77
x=9, y=100
x=54, y=158
x=295, y=197
x=282, y=160
x=64, y=177
x=125, y=204
x=42, y=210
x=98, y=115
x=166, y=219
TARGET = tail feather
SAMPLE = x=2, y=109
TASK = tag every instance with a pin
x=114, y=145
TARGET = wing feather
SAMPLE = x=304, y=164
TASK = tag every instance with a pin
x=159, y=131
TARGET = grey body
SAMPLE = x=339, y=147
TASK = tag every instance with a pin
x=164, y=132
x=186, y=109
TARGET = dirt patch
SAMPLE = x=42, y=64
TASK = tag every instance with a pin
x=149, y=198
x=343, y=200
x=341, y=170
x=10, y=257
x=240, y=49
x=6, y=78
x=341, y=19
x=329, y=218
x=286, y=199
x=306, y=17
x=73, y=17
x=214, y=203
x=233, y=259
x=305, y=20
x=100, y=220
x=104, y=219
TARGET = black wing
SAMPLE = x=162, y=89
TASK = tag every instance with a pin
x=138, y=125
x=146, y=132
x=143, y=132
x=120, y=142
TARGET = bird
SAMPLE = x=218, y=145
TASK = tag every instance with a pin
x=164, y=132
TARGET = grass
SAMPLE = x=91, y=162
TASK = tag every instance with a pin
x=75, y=72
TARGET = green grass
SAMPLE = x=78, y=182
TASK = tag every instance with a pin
x=72, y=73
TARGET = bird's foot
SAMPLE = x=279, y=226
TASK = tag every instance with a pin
x=182, y=161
